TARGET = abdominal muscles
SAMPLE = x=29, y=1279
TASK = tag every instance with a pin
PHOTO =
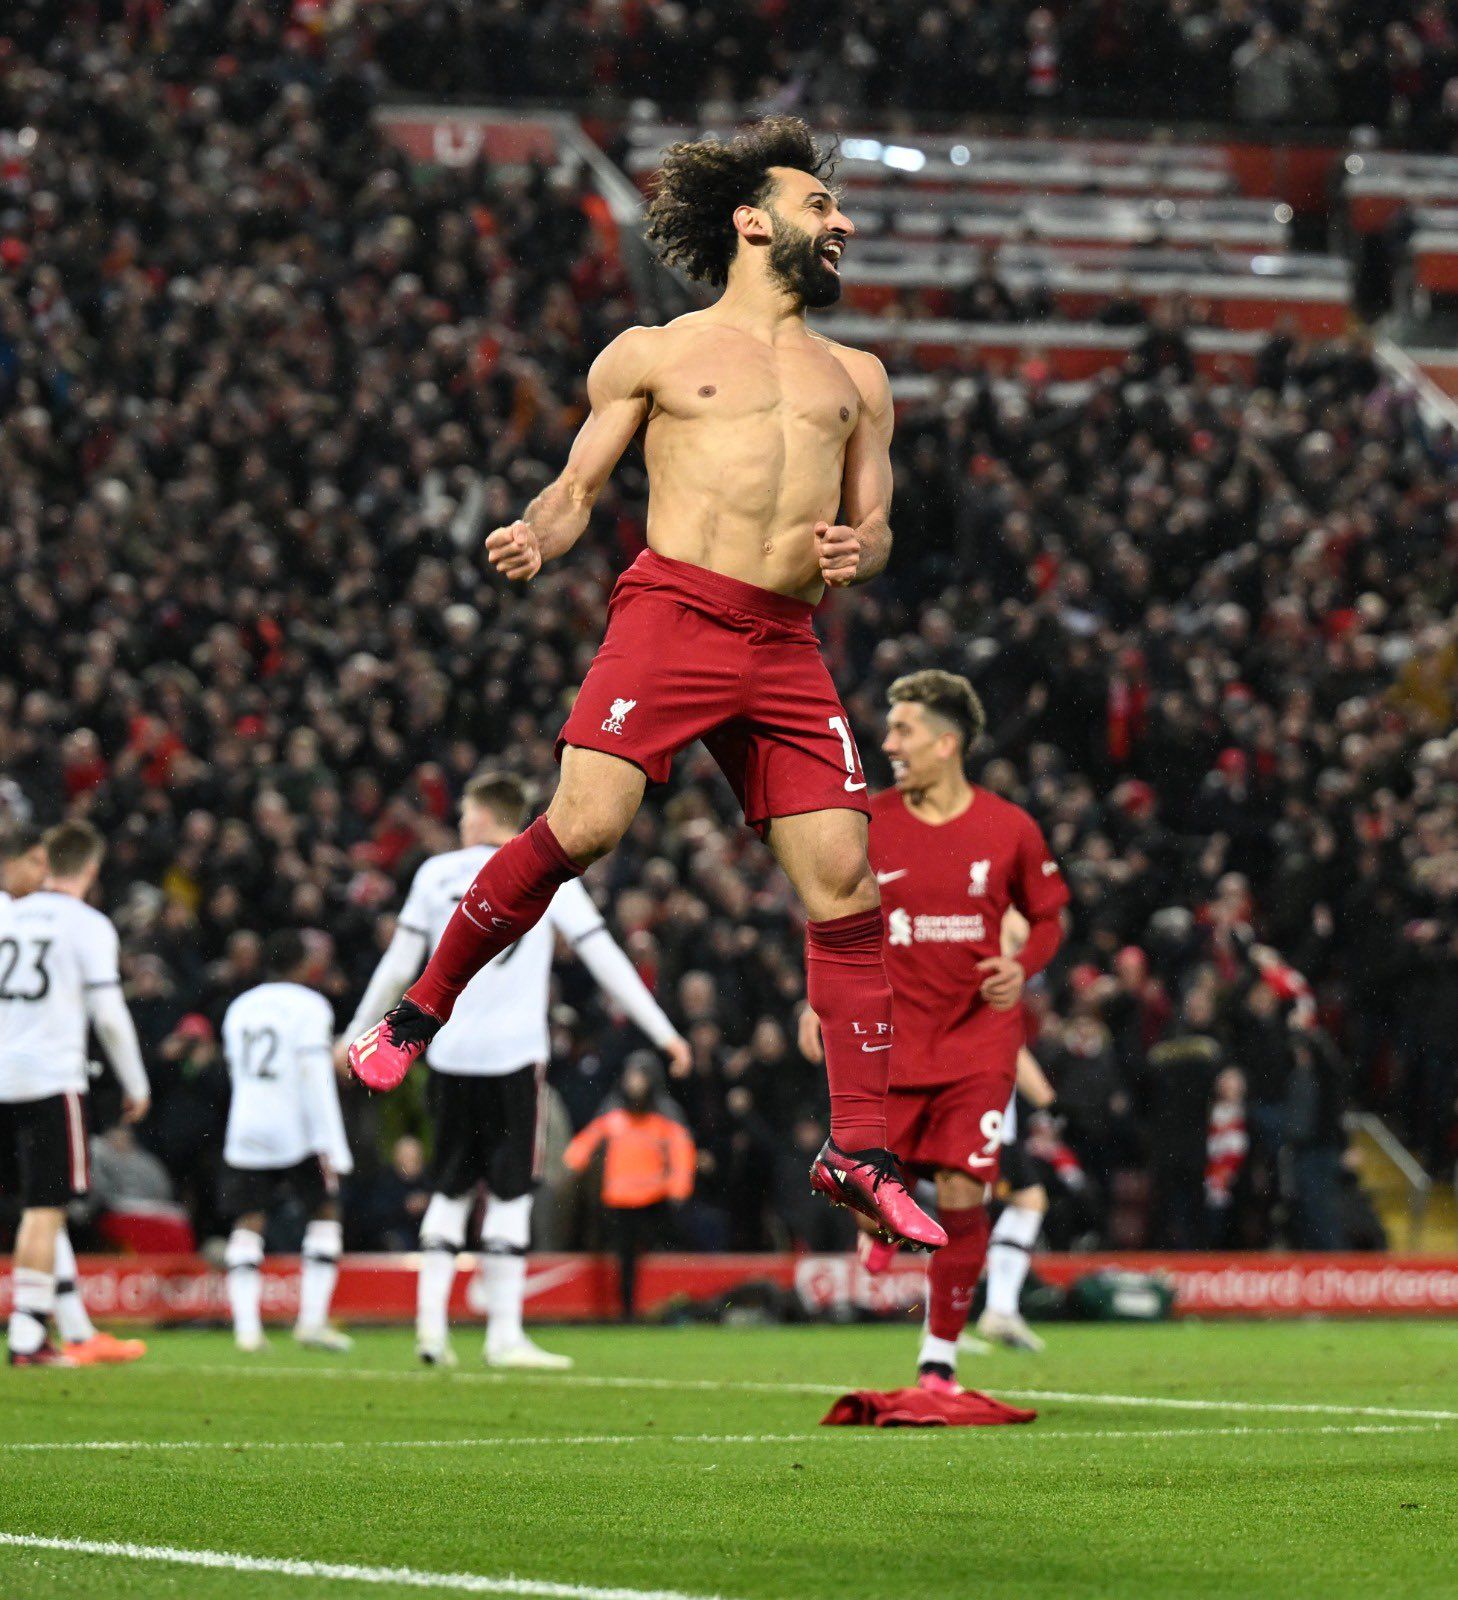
x=741, y=496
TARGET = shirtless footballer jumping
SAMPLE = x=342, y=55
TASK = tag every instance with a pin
x=768, y=455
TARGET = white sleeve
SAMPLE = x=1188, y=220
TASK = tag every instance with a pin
x=415, y=913
x=113, y=1023
x=315, y=1054
x=400, y=963
x=616, y=975
x=572, y=912
x=98, y=952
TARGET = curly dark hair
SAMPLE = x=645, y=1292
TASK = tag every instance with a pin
x=690, y=217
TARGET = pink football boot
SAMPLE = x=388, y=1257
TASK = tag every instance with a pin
x=935, y=1380
x=382, y=1055
x=869, y=1181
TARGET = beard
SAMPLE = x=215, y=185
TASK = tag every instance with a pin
x=796, y=264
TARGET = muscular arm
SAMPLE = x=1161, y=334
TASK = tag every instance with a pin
x=618, y=394
x=864, y=545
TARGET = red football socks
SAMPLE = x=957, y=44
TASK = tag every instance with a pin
x=510, y=895
x=955, y=1269
x=845, y=982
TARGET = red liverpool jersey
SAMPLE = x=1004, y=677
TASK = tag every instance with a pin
x=944, y=891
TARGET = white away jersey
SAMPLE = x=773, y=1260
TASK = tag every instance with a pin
x=279, y=1043
x=53, y=950
x=500, y=1020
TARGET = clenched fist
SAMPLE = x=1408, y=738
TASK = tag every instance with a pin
x=1002, y=982
x=514, y=551
x=838, y=550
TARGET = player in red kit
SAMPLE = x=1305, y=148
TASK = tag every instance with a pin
x=756, y=432
x=950, y=859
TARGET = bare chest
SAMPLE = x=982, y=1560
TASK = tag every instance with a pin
x=741, y=383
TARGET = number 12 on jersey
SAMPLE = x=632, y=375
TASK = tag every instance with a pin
x=260, y=1046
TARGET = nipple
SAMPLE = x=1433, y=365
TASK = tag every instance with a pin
x=709, y=389
x=844, y=411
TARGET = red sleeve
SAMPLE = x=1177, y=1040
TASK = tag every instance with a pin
x=1044, y=937
x=1038, y=889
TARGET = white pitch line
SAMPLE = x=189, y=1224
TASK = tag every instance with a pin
x=403, y=1577
x=1280, y=1407
x=477, y=1443
x=584, y=1380
x=243, y=1446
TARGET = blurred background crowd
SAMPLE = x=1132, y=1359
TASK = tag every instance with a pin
x=1391, y=66
x=264, y=386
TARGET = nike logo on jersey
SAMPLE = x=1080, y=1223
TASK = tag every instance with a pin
x=891, y=877
x=851, y=785
x=871, y=1049
x=979, y=1161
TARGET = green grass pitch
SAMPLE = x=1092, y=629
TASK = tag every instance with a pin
x=1308, y=1459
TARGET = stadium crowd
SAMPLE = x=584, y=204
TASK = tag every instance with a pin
x=262, y=389
x=1315, y=64
x=1268, y=63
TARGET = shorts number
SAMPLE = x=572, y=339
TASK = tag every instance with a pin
x=40, y=985
x=991, y=1131
x=260, y=1046
x=848, y=746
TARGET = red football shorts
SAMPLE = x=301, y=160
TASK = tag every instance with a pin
x=690, y=654
x=956, y=1125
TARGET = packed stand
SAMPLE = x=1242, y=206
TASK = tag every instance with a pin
x=262, y=389
x=1314, y=65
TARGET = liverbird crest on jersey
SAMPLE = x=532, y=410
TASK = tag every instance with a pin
x=978, y=886
x=613, y=722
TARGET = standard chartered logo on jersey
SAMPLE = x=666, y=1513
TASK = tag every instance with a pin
x=904, y=929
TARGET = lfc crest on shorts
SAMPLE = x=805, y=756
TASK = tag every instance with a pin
x=613, y=722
